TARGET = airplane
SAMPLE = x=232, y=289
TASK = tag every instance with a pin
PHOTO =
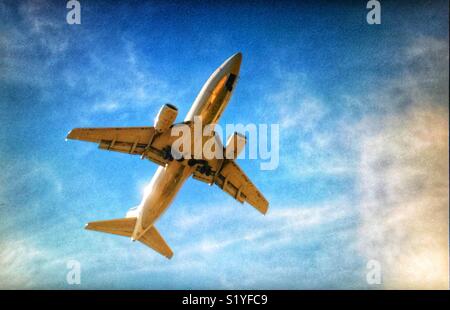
x=154, y=143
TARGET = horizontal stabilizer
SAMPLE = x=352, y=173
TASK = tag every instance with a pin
x=122, y=226
x=125, y=227
x=153, y=239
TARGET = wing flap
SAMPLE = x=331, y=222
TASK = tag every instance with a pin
x=131, y=140
x=235, y=182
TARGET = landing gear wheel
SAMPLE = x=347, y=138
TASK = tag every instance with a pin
x=167, y=153
x=205, y=169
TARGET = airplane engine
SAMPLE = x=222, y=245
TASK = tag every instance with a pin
x=235, y=145
x=165, y=118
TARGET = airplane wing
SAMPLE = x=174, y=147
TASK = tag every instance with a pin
x=232, y=180
x=130, y=140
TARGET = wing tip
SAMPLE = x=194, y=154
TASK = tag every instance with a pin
x=71, y=134
x=264, y=209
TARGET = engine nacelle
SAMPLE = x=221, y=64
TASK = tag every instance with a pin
x=235, y=144
x=165, y=117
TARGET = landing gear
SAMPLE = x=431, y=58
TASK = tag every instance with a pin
x=205, y=169
x=203, y=166
x=167, y=153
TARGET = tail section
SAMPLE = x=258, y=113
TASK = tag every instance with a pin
x=125, y=227
x=153, y=239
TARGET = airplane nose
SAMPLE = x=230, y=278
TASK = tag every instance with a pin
x=236, y=63
x=237, y=57
x=233, y=64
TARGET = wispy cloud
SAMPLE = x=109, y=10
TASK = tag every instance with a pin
x=281, y=225
x=393, y=140
x=41, y=50
x=314, y=142
x=20, y=264
x=33, y=41
x=205, y=238
x=108, y=107
x=403, y=176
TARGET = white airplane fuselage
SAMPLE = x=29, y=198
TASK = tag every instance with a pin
x=167, y=181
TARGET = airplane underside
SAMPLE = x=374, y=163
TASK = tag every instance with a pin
x=156, y=144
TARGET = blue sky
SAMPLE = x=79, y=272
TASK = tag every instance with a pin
x=363, y=115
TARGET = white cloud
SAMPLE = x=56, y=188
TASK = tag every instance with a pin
x=394, y=140
x=38, y=32
x=281, y=226
x=403, y=174
x=311, y=145
x=41, y=43
x=403, y=178
x=18, y=262
x=19, y=175
x=24, y=265
x=108, y=107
